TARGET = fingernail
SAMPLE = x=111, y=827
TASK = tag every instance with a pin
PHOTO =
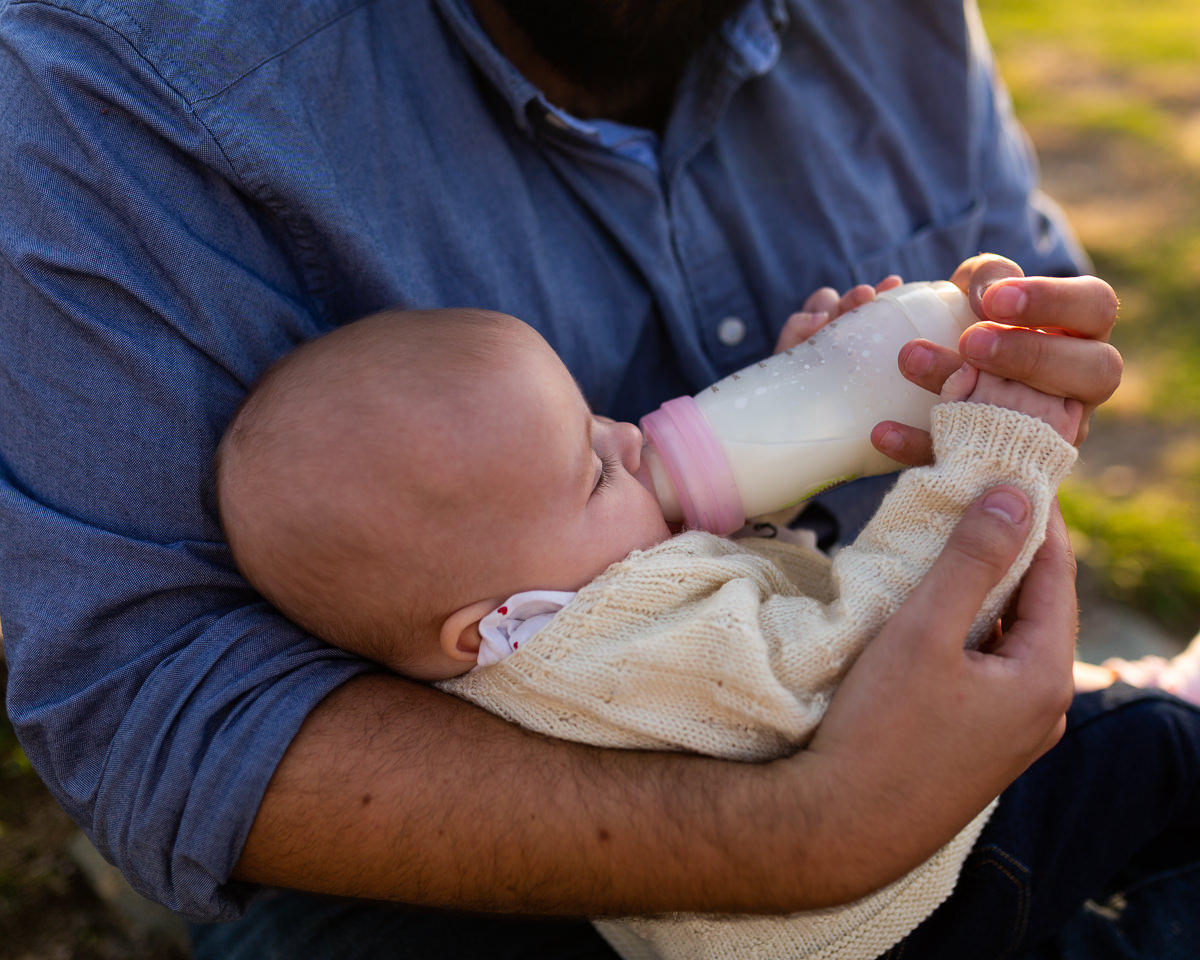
x=919, y=361
x=1006, y=302
x=890, y=442
x=980, y=344
x=1007, y=505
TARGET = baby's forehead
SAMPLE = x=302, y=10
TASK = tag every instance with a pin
x=498, y=398
x=526, y=401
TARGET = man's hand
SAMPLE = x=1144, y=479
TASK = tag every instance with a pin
x=966, y=723
x=1050, y=333
x=394, y=791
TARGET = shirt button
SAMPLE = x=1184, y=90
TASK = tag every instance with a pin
x=731, y=331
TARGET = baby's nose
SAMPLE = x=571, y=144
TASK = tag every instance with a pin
x=629, y=445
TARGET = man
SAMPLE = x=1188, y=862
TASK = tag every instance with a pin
x=191, y=190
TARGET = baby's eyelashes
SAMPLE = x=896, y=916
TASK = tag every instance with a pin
x=608, y=466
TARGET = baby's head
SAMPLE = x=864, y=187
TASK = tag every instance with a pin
x=388, y=484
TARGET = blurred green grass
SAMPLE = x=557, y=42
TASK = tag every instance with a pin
x=1120, y=32
x=1110, y=94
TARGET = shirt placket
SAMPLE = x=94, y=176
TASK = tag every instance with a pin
x=662, y=219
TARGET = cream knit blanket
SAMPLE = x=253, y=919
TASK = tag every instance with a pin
x=734, y=649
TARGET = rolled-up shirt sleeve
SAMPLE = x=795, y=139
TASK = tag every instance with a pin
x=150, y=687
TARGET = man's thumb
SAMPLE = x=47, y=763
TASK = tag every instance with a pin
x=976, y=557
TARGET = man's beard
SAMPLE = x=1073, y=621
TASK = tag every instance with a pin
x=604, y=44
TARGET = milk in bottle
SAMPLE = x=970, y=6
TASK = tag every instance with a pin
x=782, y=430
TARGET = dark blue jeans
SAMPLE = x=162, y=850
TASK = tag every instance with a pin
x=1093, y=854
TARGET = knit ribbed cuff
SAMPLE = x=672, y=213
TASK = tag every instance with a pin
x=1010, y=442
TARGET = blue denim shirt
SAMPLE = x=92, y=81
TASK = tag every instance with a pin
x=188, y=190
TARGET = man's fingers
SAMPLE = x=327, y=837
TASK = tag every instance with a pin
x=999, y=290
x=975, y=559
x=1045, y=604
x=1041, y=639
x=975, y=275
x=928, y=364
x=905, y=444
x=1083, y=369
x=1063, y=366
x=827, y=300
x=1082, y=306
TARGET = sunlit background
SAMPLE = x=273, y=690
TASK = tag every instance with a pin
x=1110, y=94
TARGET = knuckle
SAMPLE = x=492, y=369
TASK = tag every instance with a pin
x=1043, y=353
x=1031, y=350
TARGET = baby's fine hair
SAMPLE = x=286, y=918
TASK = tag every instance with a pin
x=289, y=533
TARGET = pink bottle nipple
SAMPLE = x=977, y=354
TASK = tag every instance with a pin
x=696, y=465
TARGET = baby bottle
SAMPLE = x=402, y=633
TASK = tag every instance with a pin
x=786, y=428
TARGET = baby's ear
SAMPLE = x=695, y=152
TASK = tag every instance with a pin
x=460, y=631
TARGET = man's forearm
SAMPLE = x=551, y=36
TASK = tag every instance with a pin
x=394, y=791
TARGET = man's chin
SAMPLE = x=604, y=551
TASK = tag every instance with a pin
x=599, y=44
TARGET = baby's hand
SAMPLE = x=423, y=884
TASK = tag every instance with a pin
x=827, y=304
x=977, y=386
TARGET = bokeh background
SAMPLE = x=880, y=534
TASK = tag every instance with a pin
x=1110, y=94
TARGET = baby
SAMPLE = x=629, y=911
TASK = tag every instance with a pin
x=387, y=485
x=430, y=490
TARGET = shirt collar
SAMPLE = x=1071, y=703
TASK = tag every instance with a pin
x=752, y=38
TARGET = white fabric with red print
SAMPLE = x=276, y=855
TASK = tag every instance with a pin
x=515, y=621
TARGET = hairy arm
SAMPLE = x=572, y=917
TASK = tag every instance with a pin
x=157, y=695
x=395, y=791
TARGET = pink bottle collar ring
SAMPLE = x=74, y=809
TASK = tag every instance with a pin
x=696, y=465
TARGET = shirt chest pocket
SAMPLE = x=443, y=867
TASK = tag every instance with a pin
x=931, y=252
